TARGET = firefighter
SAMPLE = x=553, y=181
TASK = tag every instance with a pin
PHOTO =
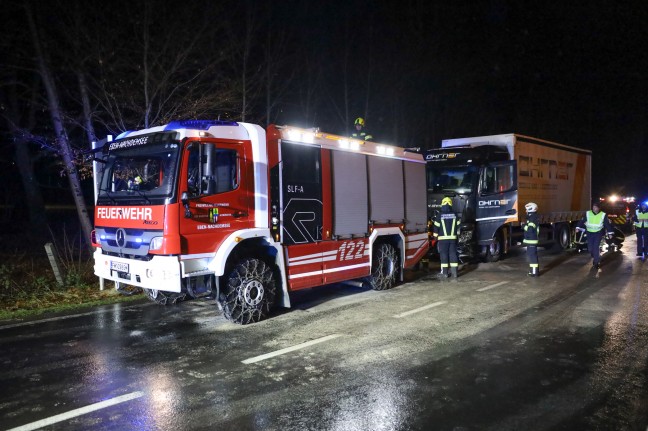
x=531, y=234
x=640, y=220
x=360, y=132
x=445, y=230
x=596, y=224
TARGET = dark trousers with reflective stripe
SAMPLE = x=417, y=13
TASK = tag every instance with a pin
x=642, y=240
x=532, y=256
x=594, y=245
x=448, y=253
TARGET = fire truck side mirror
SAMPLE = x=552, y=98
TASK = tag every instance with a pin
x=184, y=198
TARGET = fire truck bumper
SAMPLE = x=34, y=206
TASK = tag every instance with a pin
x=160, y=273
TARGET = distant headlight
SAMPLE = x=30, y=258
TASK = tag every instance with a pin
x=156, y=243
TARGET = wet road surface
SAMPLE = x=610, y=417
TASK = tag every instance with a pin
x=494, y=350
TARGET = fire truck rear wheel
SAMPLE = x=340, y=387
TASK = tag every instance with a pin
x=249, y=292
x=385, y=267
x=163, y=298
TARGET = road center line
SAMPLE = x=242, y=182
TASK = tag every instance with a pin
x=416, y=310
x=290, y=349
x=78, y=412
x=492, y=286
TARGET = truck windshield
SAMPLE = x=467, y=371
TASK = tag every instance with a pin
x=458, y=179
x=144, y=174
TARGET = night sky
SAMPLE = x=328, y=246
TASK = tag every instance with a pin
x=418, y=71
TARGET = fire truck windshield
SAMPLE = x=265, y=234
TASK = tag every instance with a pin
x=138, y=175
x=458, y=179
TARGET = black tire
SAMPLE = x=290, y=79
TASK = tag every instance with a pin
x=249, y=292
x=128, y=290
x=495, y=249
x=562, y=238
x=385, y=267
x=164, y=298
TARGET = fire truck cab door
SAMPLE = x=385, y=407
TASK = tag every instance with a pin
x=214, y=177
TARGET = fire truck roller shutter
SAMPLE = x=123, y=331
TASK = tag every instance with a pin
x=386, y=191
x=415, y=197
x=350, y=208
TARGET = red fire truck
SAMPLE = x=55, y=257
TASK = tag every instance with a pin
x=247, y=215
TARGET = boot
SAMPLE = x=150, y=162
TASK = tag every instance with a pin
x=534, y=271
x=443, y=274
x=453, y=271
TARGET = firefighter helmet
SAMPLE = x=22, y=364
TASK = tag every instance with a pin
x=446, y=201
x=359, y=121
x=531, y=207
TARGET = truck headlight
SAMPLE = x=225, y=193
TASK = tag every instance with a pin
x=156, y=243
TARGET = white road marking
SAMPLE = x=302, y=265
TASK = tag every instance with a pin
x=78, y=412
x=290, y=349
x=416, y=310
x=492, y=286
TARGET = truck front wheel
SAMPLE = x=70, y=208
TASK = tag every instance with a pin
x=385, y=267
x=249, y=292
x=494, y=249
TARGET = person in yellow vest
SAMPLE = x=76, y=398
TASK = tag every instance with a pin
x=596, y=224
x=531, y=234
x=446, y=226
x=640, y=220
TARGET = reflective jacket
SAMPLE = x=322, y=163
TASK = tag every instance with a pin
x=446, y=224
x=595, y=222
x=362, y=135
x=531, y=229
x=640, y=219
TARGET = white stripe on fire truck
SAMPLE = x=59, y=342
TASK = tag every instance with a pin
x=419, y=236
x=415, y=244
x=328, y=271
x=310, y=256
x=304, y=262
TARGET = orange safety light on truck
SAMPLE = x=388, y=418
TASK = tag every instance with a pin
x=248, y=215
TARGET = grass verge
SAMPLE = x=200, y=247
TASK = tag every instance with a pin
x=57, y=302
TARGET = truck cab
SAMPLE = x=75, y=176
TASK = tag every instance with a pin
x=481, y=183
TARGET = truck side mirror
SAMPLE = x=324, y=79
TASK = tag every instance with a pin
x=184, y=198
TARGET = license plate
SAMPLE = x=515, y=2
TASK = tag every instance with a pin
x=119, y=266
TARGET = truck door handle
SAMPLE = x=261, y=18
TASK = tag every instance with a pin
x=239, y=214
x=510, y=212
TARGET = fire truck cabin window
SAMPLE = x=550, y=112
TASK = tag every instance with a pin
x=211, y=170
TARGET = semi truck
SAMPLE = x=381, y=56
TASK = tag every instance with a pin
x=248, y=215
x=491, y=178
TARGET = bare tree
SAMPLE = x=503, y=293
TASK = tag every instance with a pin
x=62, y=140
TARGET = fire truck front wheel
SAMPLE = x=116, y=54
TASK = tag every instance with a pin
x=163, y=298
x=249, y=292
x=385, y=267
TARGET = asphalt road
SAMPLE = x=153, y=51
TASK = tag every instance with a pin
x=493, y=350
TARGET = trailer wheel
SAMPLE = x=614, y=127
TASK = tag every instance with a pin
x=494, y=250
x=385, y=267
x=249, y=292
x=163, y=298
x=562, y=238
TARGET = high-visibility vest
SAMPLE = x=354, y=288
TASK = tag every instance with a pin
x=642, y=219
x=594, y=222
x=452, y=234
